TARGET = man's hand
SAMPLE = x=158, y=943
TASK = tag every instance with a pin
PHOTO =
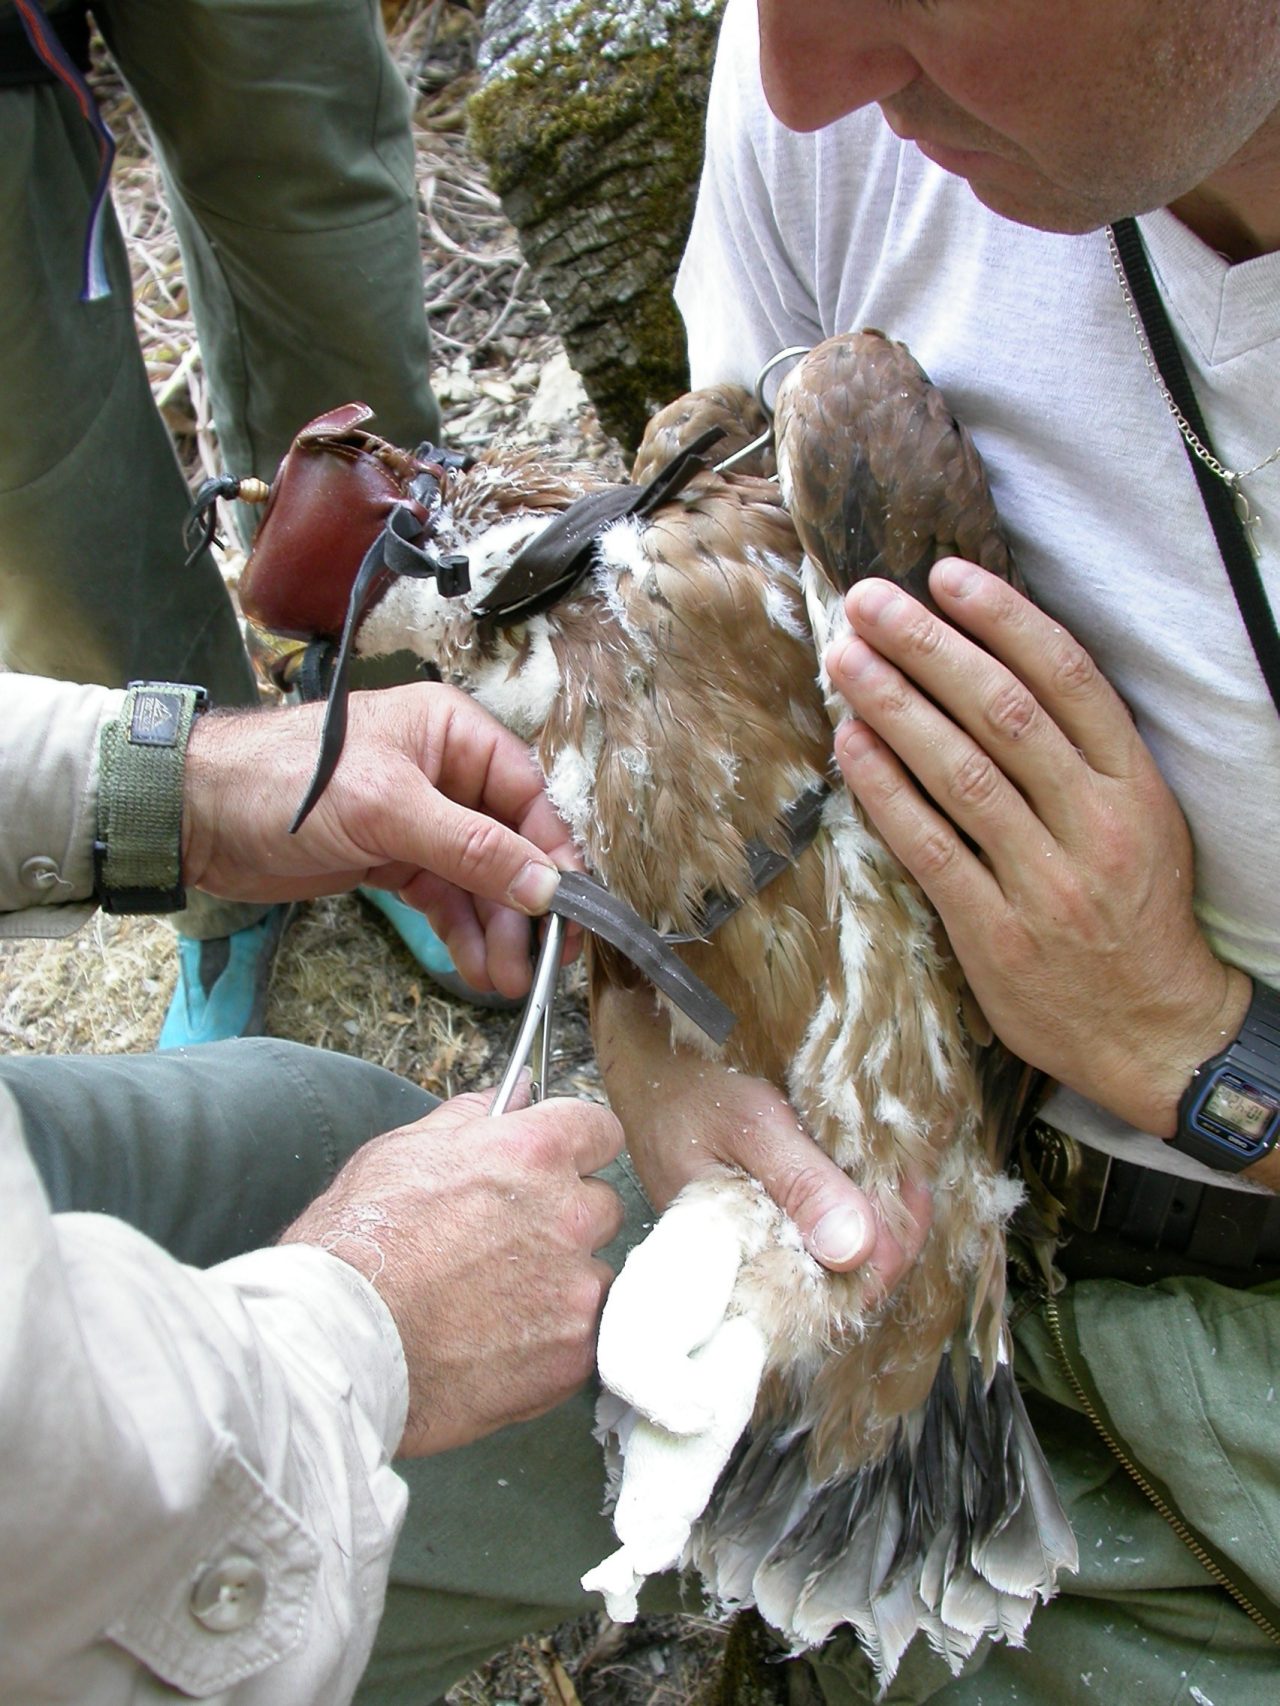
x=1070, y=911
x=685, y=1115
x=478, y=1235
x=432, y=798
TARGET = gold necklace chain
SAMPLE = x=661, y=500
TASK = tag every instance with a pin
x=1230, y=477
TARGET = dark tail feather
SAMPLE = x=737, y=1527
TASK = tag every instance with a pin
x=956, y=1532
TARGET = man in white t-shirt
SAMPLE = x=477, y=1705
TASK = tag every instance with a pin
x=944, y=171
x=798, y=236
x=1108, y=946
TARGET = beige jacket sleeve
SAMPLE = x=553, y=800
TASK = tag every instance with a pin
x=48, y=802
x=197, y=1492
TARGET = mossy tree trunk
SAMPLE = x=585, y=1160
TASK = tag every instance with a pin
x=590, y=118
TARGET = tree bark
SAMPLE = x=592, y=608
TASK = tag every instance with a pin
x=590, y=119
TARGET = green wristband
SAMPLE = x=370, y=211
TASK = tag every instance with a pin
x=137, y=857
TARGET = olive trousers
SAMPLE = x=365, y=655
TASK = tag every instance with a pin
x=214, y=1150
x=283, y=132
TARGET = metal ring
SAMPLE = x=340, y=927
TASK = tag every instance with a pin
x=792, y=352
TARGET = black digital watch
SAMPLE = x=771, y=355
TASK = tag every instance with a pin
x=1229, y=1115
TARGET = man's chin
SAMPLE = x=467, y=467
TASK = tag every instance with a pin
x=1043, y=207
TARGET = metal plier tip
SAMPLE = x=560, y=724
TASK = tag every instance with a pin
x=532, y=1046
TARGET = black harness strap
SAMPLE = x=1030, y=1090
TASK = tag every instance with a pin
x=1228, y=529
x=557, y=558
x=396, y=551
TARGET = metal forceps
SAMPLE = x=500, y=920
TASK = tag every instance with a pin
x=535, y=1022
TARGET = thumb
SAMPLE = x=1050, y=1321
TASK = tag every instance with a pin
x=838, y=1224
x=834, y=1218
x=836, y=1221
x=484, y=857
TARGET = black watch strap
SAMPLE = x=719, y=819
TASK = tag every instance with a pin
x=1255, y=1056
x=137, y=856
x=1257, y=1049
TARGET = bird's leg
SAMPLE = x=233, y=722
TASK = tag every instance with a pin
x=688, y=1369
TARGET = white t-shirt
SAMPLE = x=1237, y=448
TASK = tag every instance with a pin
x=797, y=237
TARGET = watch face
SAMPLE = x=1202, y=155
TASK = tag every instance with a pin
x=1237, y=1113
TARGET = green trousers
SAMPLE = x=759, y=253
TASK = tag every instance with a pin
x=500, y=1532
x=283, y=133
x=216, y=1149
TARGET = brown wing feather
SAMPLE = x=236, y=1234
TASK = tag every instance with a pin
x=704, y=714
x=880, y=477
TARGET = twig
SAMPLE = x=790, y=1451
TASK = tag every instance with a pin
x=178, y=378
x=556, y=1679
x=513, y=298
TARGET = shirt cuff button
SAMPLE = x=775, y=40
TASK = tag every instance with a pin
x=40, y=873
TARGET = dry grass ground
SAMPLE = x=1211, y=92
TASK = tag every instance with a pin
x=343, y=980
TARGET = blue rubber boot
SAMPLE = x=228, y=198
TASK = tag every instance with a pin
x=414, y=930
x=222, y=984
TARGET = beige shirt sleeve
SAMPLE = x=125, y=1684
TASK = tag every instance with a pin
x=48, y=801
x=197, y=1492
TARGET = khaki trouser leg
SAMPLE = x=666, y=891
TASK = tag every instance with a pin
x=211, y=1151
x=1141, y=1620
x=92, y=500
x=283, y=129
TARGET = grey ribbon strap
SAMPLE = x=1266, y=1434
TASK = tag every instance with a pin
x=555, y=560
x=396, y=551
x=589, y=903
x=802, y=819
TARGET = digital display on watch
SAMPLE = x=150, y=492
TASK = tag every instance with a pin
x=1229, y=1114
x=1234, y=1109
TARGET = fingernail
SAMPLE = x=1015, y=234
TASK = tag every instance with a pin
x=850, y=660
x=871, y=601
x=838, y=1236
x=854, y=740
x=957, y=577
x=534, y=887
